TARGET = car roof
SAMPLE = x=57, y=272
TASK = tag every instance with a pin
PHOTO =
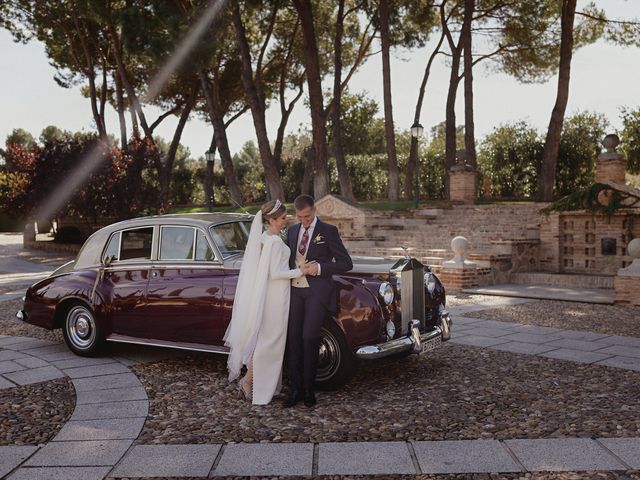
x=91, y=251
x=204, y=219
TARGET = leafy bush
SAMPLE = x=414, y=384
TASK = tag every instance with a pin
x=510, y=157
x=579, y=149
x=630, y=136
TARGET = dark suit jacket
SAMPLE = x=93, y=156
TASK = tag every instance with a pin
x=327, y=249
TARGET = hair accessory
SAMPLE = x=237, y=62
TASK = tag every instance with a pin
x=275, y=207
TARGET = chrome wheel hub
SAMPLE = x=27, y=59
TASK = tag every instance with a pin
x=329, y=356
x=81, y=327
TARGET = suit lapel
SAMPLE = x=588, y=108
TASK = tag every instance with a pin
x=293, y=240
x=316, y=231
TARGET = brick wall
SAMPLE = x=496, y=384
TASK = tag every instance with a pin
x=462, y=186
x=627, y=290
x=572, y=242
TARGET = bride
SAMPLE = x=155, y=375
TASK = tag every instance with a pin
x=257, y=333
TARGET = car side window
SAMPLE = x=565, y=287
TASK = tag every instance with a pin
x=136, y=244
x=112, y=249
x=176, y=243
x=230, y=238
x=203, y=249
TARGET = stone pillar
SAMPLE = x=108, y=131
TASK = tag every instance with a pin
x=462, y=184
x=626, y=284
x=611, y=165
x=458, y=273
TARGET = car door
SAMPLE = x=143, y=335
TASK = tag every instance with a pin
x=185, y=288
x=126, y=279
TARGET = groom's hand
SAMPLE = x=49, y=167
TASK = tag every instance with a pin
x=310, y=268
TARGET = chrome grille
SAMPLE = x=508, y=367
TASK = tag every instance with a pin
x=409, y=274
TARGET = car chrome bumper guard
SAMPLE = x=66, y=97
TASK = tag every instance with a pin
x=412, y=342
x=22, y=315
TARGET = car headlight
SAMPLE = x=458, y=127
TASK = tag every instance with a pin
x=386, y=292
x=429, y=282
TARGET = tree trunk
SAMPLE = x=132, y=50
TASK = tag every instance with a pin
x=131, y=94
x=120, y=107
x=208, y=179
x=552, y=142
x=450, y=119
x=454, y=79
x=103, y=97
x=318, y=115
x=392, y=158
x=166, y=168
x=413, y=152
x=220, y=135
x=307, y=178
x=271, y=174
x=466, y=41
x=93, y=96
x=343, y=174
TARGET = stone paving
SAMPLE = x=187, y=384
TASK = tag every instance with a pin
x=577, y=346
x=111, y=407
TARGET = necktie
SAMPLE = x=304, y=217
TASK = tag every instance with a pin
x=303, y=243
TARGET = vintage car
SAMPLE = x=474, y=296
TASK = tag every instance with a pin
x=170, y=281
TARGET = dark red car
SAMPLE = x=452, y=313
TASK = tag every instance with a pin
x=170, y=281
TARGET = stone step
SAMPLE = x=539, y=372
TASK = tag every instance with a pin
x=563, y=280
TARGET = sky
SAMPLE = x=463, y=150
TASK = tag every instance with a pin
x=604, y=78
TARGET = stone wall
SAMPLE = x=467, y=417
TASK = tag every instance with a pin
x=577, y=242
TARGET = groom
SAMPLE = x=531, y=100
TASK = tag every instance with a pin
x=313, y=297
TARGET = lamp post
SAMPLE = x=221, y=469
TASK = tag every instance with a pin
x=210, y=157
x=416, y=132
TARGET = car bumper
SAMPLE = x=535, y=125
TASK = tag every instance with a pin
x=22, y=315
x=415, y=342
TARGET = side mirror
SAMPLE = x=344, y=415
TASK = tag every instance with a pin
x=106, y=261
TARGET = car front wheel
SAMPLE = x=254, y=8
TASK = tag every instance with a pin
x=336, y=362
x=81, y=332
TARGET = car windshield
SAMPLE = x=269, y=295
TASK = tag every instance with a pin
x=231, y=238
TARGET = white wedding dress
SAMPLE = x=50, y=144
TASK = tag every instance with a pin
x=258, y=328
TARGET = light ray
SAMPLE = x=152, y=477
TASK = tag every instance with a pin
x=92, y=161
x=176, y=59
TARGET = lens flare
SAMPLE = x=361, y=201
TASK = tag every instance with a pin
x=61, y=195
x=195, y=32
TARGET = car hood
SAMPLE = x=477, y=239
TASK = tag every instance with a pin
x=361, y=264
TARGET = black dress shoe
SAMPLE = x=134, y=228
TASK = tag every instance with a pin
x=293, y=398
x=309, y=398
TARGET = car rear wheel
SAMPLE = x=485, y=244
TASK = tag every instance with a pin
x=82, y=334
x=336, y=362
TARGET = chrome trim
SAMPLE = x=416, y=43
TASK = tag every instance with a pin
x=412, y=342
x=198, y=347
x=21, y=315
x=445, y=325
x=198, y=265
x=127, y=267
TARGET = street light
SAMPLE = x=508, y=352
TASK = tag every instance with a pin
x=210, y=157
x=416, y=132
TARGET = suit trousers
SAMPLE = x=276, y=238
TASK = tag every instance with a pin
x=306, y=316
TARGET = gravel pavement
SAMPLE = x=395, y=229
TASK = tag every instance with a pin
x=607, y=319
x=456, y=393
x=33, y=414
